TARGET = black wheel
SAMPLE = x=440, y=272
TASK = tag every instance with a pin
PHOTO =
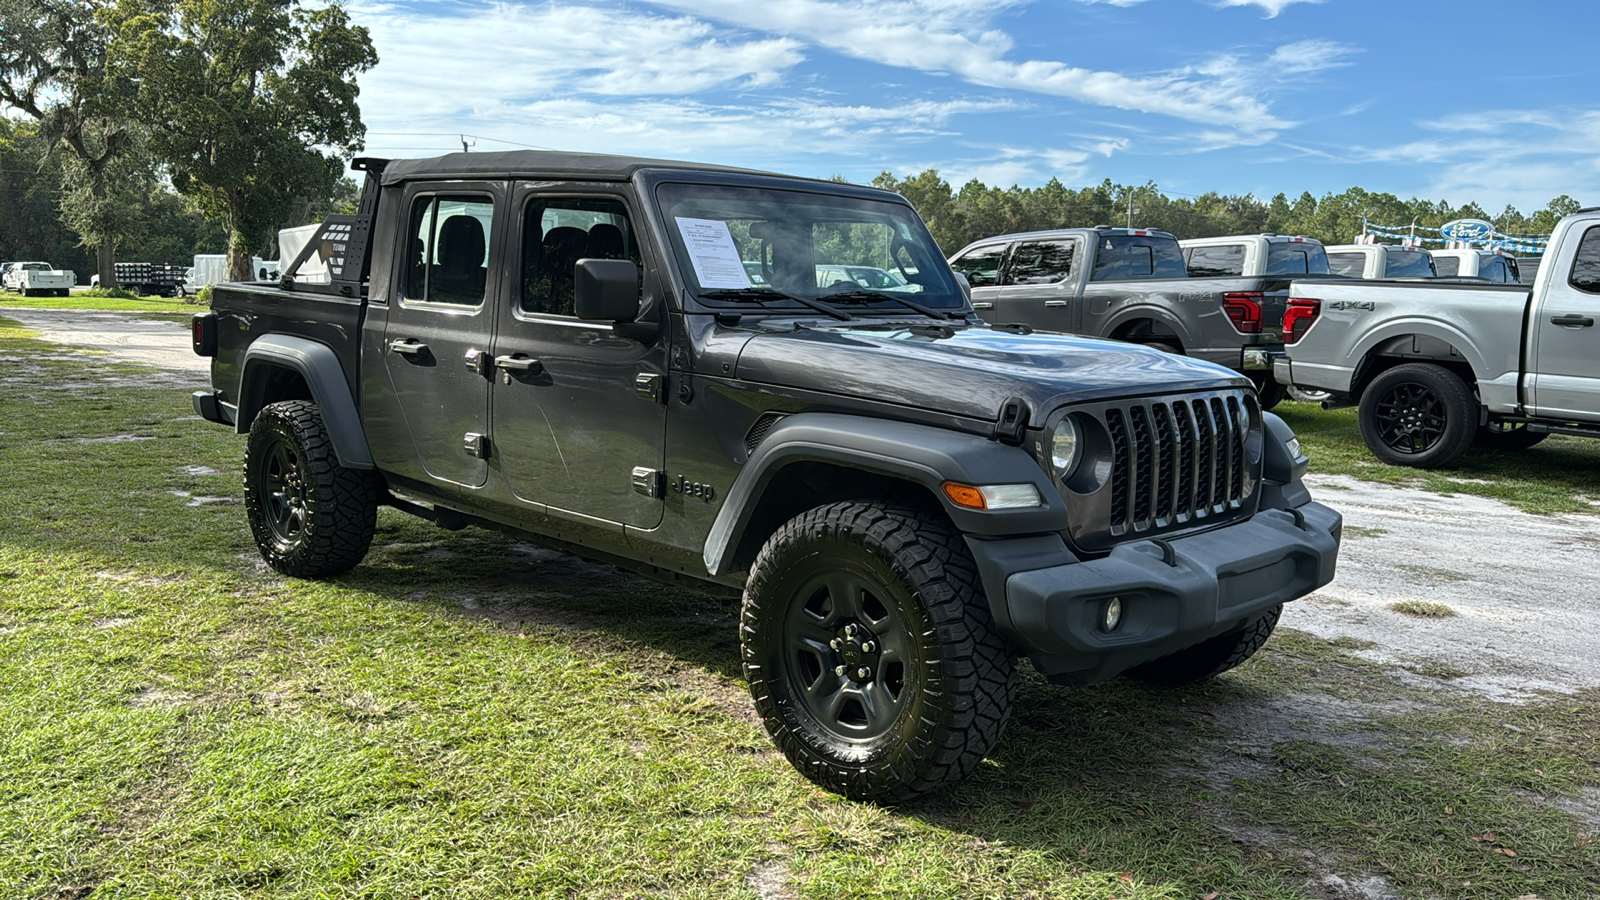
x=311, y=516
x=1418, y=415
x=870, y=652
x=1507, y=436
x=1270, y=392
x=1209, y=659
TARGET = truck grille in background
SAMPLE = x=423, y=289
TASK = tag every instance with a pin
x=1175, y=461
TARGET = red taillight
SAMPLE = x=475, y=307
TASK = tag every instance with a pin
x=203, y=330
x=1244, y=310
x=1298, y=316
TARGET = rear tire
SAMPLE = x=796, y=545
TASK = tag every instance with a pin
x=1269, y=392
x=1303, y=395
x=1418, y=415
x=1507, y=436
x=311, y=516
x=1164, y=347
x=1211, y=658
x=870, y=652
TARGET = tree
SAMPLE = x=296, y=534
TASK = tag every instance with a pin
x=254, y=103
x=53, y=68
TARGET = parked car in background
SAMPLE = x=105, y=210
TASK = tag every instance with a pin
x=38, y=279
x=1373, y=261
x=1436, y=367
x=1528, y=268
x=1472, y=263
x=1129, y=285
x=1254, y=255
x=870, y=277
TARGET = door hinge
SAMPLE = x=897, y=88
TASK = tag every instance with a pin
x=476, y=445
x=648, y=386
x=647, y=481
x=477, y=361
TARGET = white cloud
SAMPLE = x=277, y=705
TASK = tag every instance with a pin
x=1271, y=7
x=954, y=37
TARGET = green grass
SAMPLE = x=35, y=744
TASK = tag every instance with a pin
x=113, y=304
x=467, y=716
x=1422, y=609
x=1560, y=475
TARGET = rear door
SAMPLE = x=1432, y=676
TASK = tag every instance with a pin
x=1565, y=364
x=1038, y=286
x=577, y=407
x=440, y=323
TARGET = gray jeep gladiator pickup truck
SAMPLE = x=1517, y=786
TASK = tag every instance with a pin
x=635, y=361
x=1436, y=367
x=1129, y=284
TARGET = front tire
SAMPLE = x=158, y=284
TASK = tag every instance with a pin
x=870, y=652
x=311, y=517
x=1418, y=415
x=1211, y=658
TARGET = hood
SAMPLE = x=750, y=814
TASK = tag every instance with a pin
x=972, y=371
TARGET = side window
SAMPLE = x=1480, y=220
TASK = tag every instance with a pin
x=1586, y=265
x=448, y=253
x=981, y=265
x=1496, y=270
x=1041, y=262
x=559, y=231
x=1217, y=262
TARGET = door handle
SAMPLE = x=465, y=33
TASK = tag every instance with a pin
x=519, y=363
x=1572, y=320
x=1053, y=304
x=982, y=304
x=408, y=347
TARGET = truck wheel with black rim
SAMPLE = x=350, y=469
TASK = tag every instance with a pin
x=1507, y=436
x=311, y=516
x=1211, y=658
x=870, y=652
x=1418, y=415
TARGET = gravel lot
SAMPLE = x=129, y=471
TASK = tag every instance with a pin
x=1524, y=589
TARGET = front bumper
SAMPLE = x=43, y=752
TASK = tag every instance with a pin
x=1175, y=593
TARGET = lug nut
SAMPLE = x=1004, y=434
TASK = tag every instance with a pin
x=834, y=643
x=849, y=631
x=838, y=670
x=863, y=673
x=868, y=647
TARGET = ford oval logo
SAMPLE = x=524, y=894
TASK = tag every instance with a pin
x=1467, y=230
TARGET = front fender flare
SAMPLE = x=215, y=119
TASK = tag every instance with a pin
x=921, y=454
x=330, y=390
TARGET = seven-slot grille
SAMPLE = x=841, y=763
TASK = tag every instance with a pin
x=1176, y=460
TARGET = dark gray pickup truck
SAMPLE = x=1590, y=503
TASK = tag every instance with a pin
x=659, y=365
x=1129, y=285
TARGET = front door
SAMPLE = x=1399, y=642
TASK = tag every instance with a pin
x=577, y=407
x=1038, y=287
x=441, y=320
x=982, y=266
x=1566, y=359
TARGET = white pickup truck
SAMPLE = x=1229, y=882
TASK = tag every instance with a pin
x=1375, y=261
x=1436, y=367
x=1469, y=263
x=39, y=279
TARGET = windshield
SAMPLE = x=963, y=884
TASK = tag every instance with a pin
x=1406, y=263
x=802, y=244
x=1290, y=258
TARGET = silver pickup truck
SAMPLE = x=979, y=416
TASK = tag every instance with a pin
x=1437, y=367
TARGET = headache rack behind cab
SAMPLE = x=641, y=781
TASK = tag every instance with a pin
x=343, y=244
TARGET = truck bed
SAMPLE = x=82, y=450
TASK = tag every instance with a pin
x=246, y=311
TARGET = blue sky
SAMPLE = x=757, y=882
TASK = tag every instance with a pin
x=1456, y=100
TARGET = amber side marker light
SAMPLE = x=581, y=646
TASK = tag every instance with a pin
x=992, y=496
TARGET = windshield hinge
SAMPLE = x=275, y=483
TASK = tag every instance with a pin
x=1012, y=422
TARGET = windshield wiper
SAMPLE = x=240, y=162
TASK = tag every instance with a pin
x=761, y=294
x=928, y=311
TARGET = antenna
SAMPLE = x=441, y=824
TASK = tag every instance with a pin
x=465, y=147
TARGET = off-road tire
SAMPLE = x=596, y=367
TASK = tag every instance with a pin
x=956, y=682
x=1211, y=658
x=1449, y=423
x=311, y=517
x=1514, y=437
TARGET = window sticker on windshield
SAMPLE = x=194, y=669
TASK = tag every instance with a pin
x=712, y=251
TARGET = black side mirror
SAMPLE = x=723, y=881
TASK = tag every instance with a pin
x=606, y=290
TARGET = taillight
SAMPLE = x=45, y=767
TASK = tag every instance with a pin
x=1298, y=316
x=1244, y=310
x=203, y=330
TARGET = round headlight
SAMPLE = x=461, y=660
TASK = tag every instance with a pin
x=1065, y=448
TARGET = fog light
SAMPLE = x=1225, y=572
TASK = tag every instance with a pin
x=1113, y=615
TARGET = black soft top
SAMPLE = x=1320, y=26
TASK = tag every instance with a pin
x=539, y=164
